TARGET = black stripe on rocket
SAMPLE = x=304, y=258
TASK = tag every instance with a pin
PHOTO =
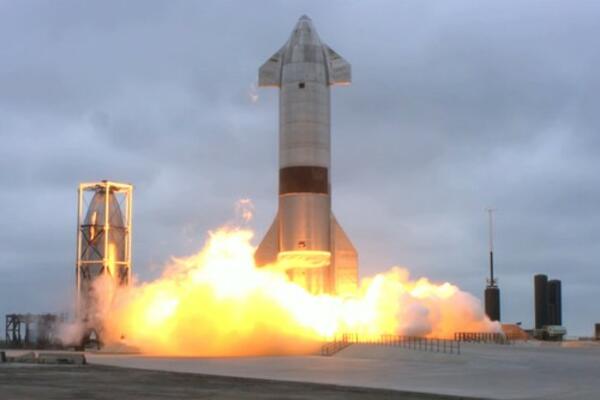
x=303, y=180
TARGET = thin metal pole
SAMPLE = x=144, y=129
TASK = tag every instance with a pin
x=78, y=255
x=129, y=231
x=491, y=243
x=106, y=228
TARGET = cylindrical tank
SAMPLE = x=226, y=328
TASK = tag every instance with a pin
x=96, y=250
x=554, y=302
x=492, y=302
x=540, y=283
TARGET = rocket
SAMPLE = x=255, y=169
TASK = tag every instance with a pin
x=305, y=239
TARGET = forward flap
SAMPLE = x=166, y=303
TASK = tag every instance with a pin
x=340, y=70
x=269, y=74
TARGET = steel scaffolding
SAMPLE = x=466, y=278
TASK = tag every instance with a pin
x=103, y=244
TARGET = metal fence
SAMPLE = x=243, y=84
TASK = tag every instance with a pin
x=481, y=337
x=435, y=345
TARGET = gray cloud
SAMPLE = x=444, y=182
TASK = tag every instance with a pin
x=455, y=106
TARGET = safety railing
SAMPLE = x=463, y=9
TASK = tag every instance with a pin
x=329, y=349
x=481, y=337
x=435, y=345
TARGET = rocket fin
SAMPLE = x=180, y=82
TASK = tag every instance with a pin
x=340, y=70
x=345, y=261
x=267, y=251
x=269, y=74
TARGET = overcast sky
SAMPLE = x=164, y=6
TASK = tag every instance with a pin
x=454, y=107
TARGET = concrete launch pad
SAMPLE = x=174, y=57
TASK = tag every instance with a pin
x=531, y=370
x=527, y=371
x=18, y=382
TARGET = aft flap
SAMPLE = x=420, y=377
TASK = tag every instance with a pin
x=340, y=70
x=345, y=262
x=269, y=74
x=267, y=251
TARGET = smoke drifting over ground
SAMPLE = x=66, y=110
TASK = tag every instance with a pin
x=217, y=303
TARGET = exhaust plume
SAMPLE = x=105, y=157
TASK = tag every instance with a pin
x=217, y=303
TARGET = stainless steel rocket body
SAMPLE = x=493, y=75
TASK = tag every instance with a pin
x=304, y=144
x=303, y=70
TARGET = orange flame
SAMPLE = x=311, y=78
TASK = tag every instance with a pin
x=217, y=303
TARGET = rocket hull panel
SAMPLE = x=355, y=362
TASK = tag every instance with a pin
x=304, y=222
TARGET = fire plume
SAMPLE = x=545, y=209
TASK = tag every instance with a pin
x=217, y=303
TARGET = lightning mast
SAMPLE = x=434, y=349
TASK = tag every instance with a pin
x=492, y=281
x=492, y=291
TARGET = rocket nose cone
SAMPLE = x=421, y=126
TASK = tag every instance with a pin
x=304, y=23
x=305, y=32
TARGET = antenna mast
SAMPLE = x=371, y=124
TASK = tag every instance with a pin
x=492, y=292
x=492, y=280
